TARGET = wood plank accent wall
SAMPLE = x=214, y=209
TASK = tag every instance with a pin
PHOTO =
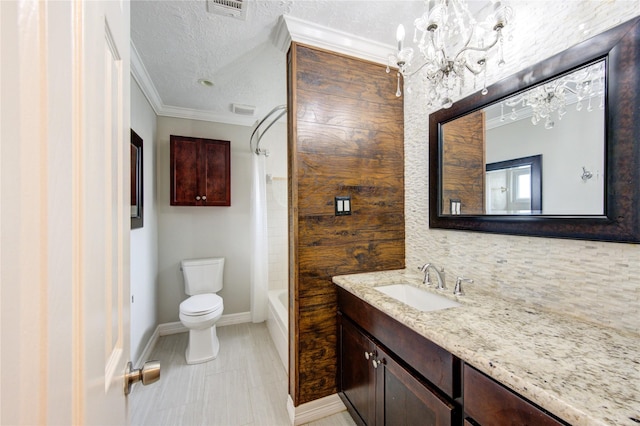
x=345, y=139
x=463, y=165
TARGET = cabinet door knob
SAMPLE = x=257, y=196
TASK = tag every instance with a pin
x=204, y=197
x=377, y=362
x=368, y=355
x=198, y=197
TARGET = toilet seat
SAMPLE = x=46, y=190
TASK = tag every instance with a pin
x=201, y=304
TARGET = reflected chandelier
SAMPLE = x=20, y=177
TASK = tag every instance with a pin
x=451, y=44
x=554, y=96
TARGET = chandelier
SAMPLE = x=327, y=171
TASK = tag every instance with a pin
x=451, y=45
x=584, y=85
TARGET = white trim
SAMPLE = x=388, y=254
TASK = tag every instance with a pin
x=281, y=36
x=288, y=29
x=327, y=38
x=194, y=114
x=146, y=353
x=169, y=328
x=141, y=76
x=231, y=319
x=314, y=410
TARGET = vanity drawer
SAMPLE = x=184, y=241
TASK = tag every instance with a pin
x=425, y=357
x=489, y=403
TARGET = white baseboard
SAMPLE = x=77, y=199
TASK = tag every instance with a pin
x=177, y=327
x=169, y=328
x=146, y=353
x=314, y=410
x=232, y=319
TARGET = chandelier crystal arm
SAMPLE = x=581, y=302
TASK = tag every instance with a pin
x=479, y=49
x=448, y=26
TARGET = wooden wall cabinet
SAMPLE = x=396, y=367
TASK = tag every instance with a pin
x=200, y=172
x=376, y=385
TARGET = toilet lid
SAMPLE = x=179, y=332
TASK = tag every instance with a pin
x=201, y=304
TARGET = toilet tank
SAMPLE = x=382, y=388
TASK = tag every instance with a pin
x=202, y=275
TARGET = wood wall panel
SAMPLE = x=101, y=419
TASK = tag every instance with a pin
x=345, y=138
x=316, y=108
x=463, y=165
x=340, y=77
x=368, y=143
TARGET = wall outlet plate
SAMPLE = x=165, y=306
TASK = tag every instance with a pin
x=343, y=205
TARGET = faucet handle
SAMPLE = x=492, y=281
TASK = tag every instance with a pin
x=425, y=268
x=458, y=288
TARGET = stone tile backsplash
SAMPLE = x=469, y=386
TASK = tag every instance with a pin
x=594, y=281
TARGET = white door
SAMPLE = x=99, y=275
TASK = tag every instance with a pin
x=64, y=211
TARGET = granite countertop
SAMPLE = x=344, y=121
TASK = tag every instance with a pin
x=582, y=373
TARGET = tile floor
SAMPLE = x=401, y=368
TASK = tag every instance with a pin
x=245, y=385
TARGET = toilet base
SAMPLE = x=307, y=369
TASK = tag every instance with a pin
x=203, y=345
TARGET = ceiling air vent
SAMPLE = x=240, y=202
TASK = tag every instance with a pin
x=243, y=109
x=232, y=8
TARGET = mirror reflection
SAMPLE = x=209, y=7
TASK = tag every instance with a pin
x=539, y=152
x=137, y=216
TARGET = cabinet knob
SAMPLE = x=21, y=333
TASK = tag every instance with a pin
x=377, y=362
x=368, y=355
x=204, y=197
x=198, y=197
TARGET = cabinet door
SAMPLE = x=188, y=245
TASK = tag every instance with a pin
x=406, y=400
x=216, y=165
x=490, y=403
x=200, y=172
x=184, y=171
x=356, y=373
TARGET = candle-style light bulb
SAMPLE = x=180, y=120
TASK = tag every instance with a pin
x=400, y=36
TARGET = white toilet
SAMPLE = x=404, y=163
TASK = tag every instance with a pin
x=200, y=312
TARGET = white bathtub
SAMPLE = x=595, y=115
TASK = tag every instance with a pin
x=278, y=324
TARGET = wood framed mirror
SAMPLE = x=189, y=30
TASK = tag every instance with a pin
x=615, y=174
x=137, y=217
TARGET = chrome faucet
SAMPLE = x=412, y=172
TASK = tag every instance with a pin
x=425, y=268
x=458, y=288
x=439, y=276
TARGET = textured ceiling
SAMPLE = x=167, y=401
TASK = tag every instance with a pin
x=180, y=42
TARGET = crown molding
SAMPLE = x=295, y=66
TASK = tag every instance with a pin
x=281, y=37
x=294, y=29
x=288, y=29
x=141, y=76
x=194, y=114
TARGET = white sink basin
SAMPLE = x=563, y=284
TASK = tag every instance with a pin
x=417, y=298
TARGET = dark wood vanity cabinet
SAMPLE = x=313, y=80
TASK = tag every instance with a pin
x=390, y=375
x=200, y=172
x=375, y=384
x=357, y=379
x=487, y=402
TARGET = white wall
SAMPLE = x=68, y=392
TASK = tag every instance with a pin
x=596, y=281
x=195, y=232
x=574, y=142
x=144, y=241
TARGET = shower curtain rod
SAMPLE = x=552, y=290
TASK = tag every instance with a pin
x=280, y=110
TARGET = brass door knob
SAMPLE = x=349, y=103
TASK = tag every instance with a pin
x=149, y=373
